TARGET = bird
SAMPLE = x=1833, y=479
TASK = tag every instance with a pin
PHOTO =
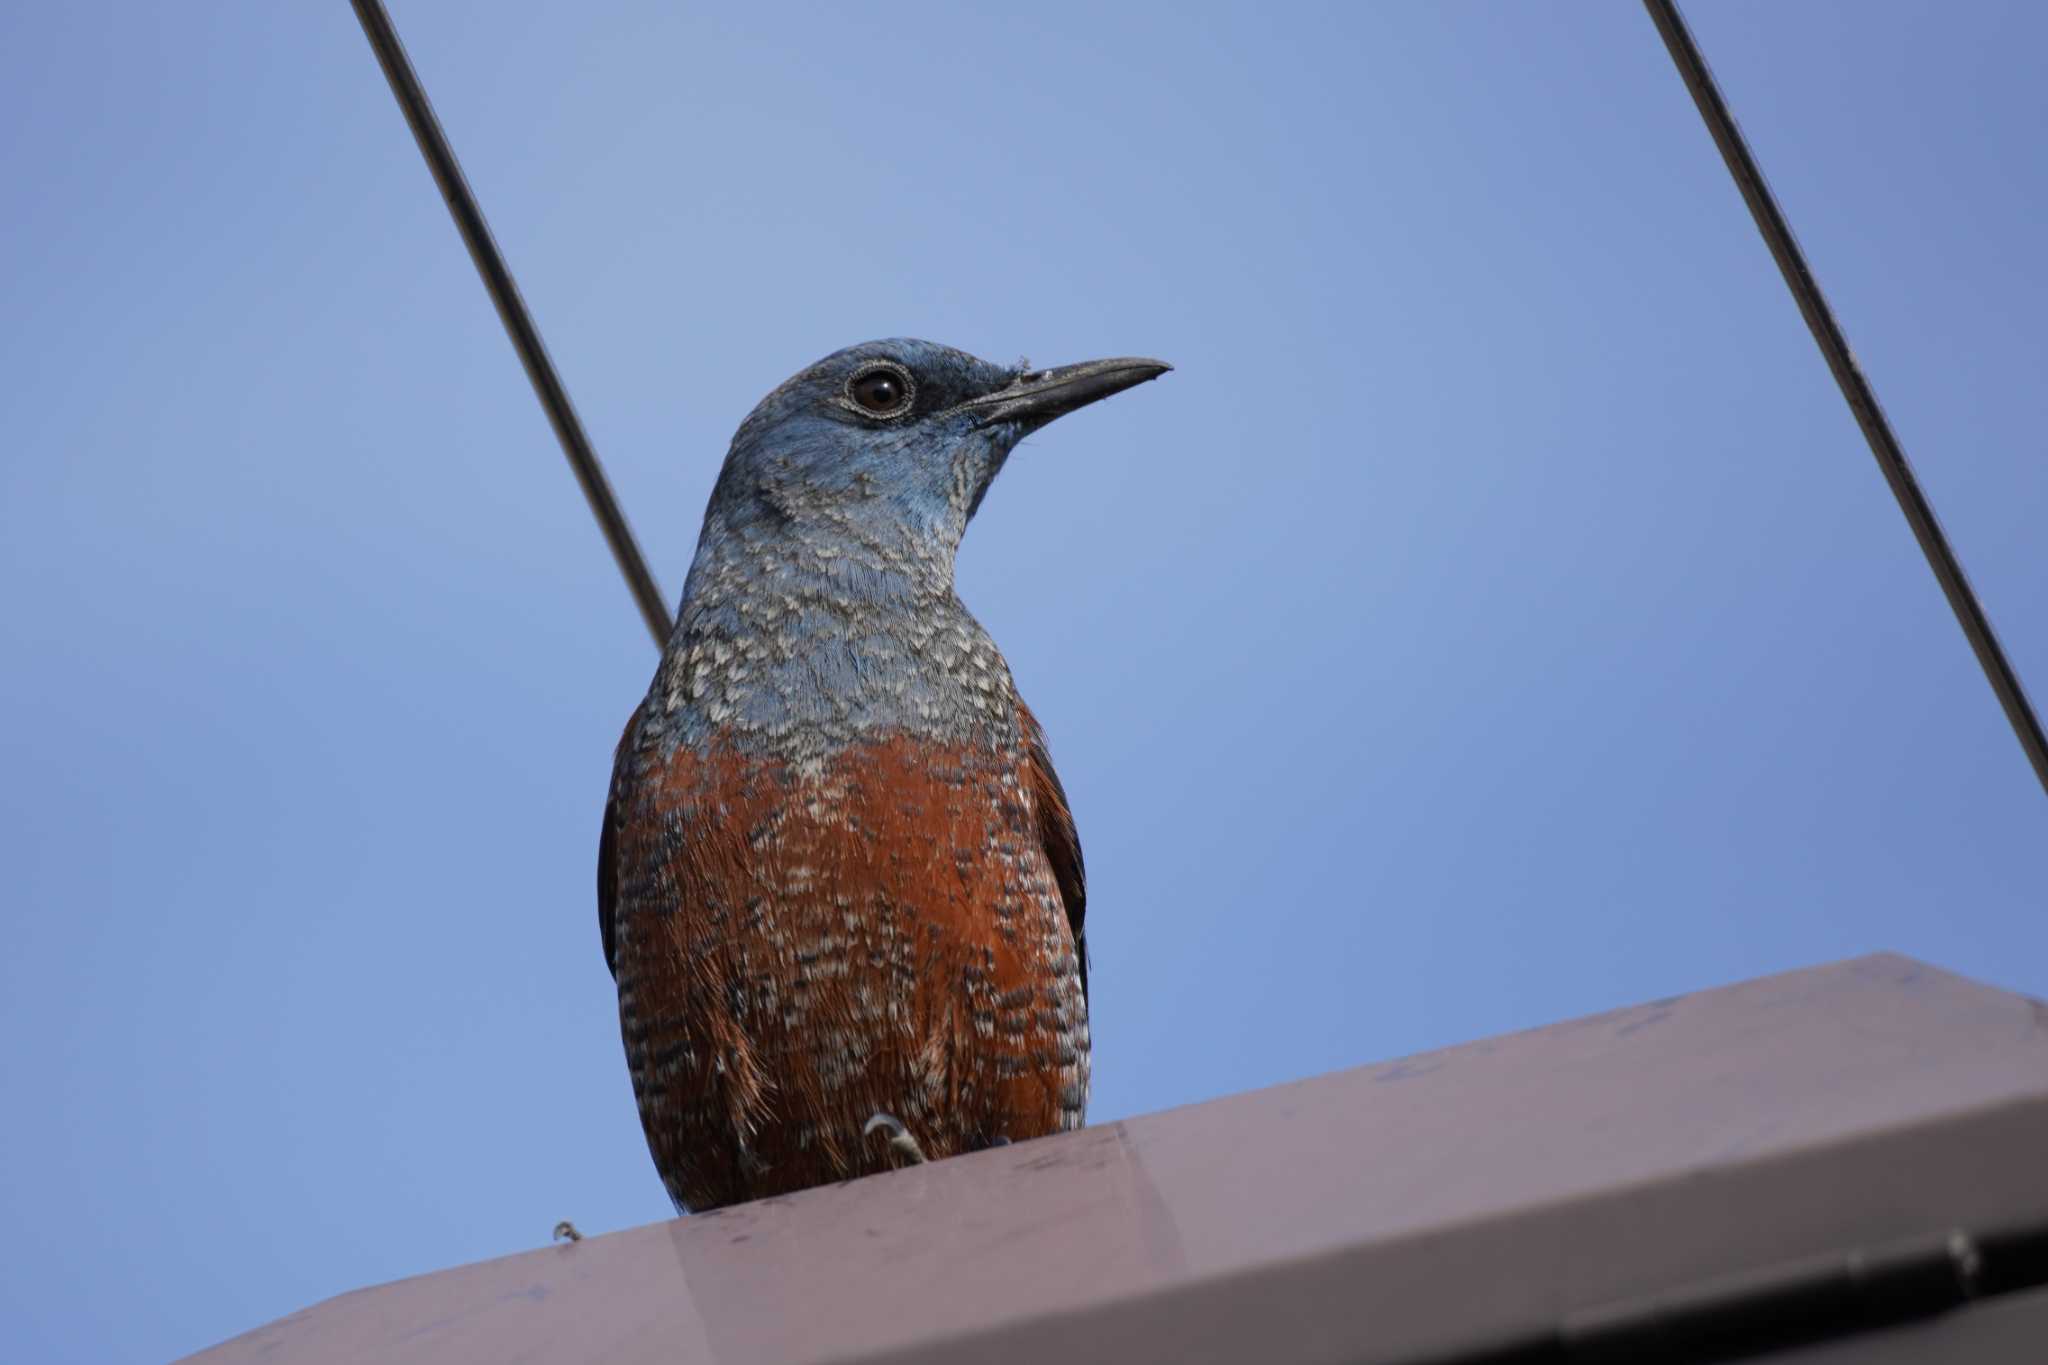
x=840, y=889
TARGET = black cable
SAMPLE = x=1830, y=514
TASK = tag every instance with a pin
x=547, y=385
x=1827, y=333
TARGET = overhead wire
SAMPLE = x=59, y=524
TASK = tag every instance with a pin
x=512, y=311
x=1855, y=386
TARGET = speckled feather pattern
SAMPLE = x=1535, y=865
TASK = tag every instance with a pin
x=838, y=874
x=881, y=934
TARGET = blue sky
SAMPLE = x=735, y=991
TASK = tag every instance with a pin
x=1495, y=618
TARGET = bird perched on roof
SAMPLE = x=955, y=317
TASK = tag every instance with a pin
x=839, y=885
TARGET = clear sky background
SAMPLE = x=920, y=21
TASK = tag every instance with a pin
x=1495, y=618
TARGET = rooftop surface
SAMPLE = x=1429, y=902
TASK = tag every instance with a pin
x=1495, y=1201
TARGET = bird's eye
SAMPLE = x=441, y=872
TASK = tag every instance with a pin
x=882, y=390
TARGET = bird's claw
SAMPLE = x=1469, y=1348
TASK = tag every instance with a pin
x=900, y=1140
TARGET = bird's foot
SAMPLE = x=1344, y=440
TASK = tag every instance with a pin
x=900, y=1140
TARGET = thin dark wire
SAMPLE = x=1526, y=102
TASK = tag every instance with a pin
x=547, y=385
x=1891, y=456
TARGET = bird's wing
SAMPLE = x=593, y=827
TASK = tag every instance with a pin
x=607, y=882
x=1056, y=832
x=607, y=854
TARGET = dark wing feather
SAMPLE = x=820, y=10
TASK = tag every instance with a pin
x=607, y=882
x=608, y=853
x=1056, y=832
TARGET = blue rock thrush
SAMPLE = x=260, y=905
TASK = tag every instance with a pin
x=839, y=884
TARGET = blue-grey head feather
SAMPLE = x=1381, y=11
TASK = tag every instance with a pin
x=820, y=605
x=919, y=471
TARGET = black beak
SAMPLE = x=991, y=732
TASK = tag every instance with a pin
x=1037, y=396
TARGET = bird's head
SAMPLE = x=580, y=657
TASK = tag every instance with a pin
x=895, y=441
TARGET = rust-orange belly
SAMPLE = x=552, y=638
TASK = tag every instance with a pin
x=798, y=948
